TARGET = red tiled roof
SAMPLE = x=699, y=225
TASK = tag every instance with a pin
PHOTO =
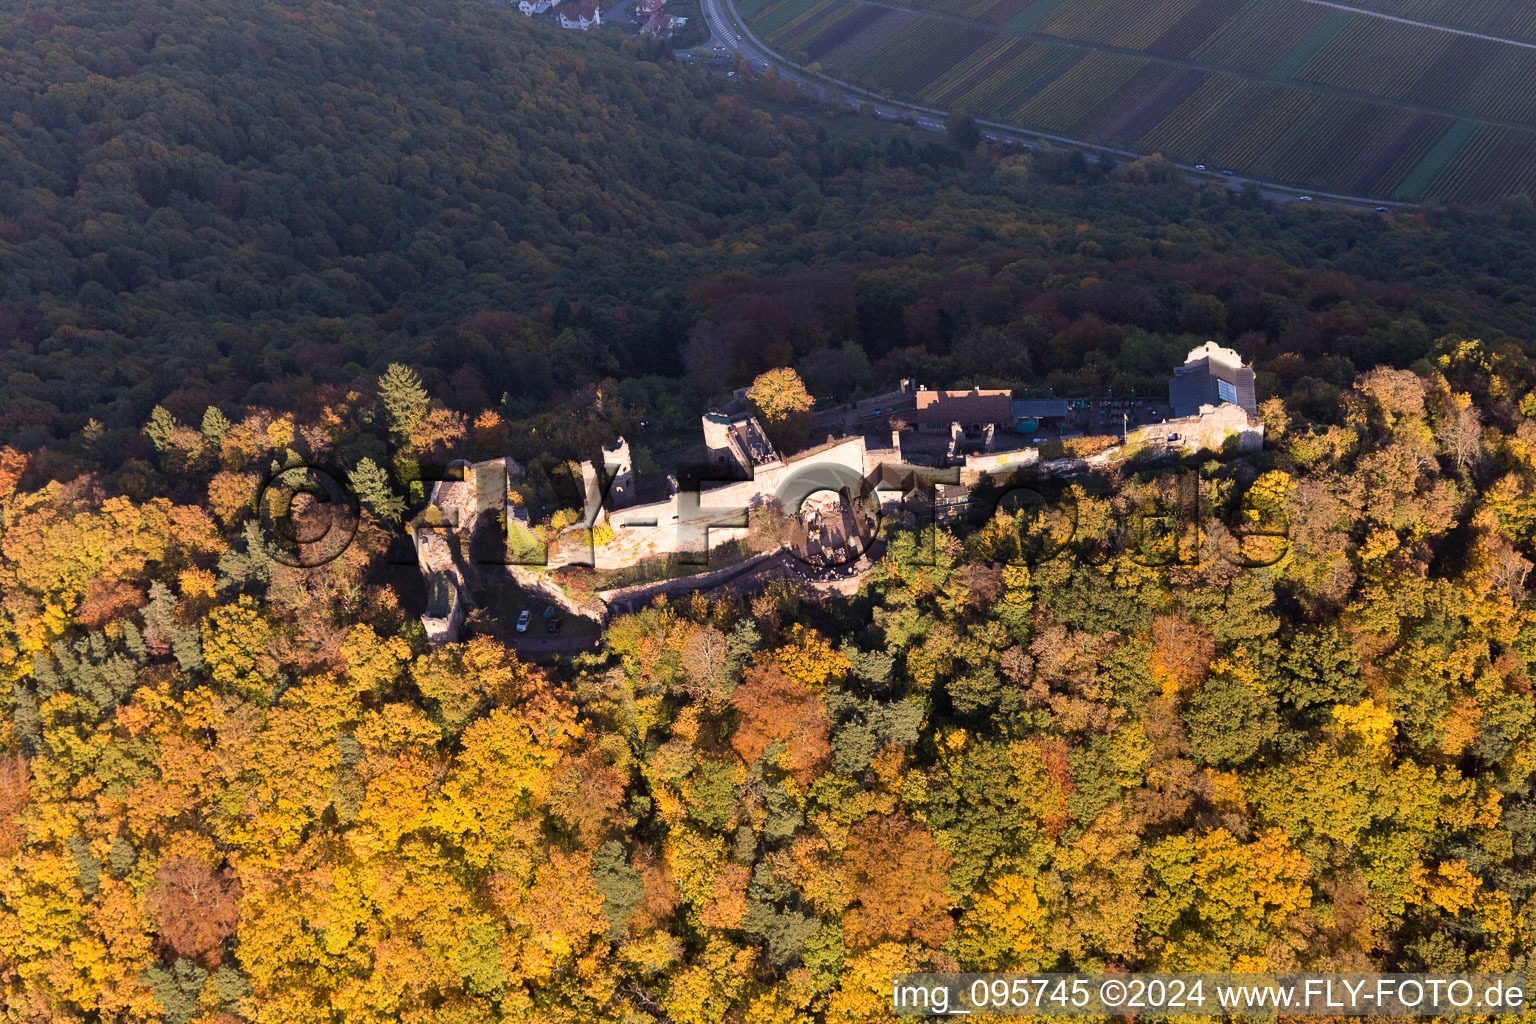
x=962, y=407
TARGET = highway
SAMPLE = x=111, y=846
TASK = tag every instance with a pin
x=730, y=33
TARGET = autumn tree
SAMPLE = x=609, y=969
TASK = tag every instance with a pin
x=195, y=907
x=237, y=644
x=779, y=710
x=1006, y=927
x=897, y=874
x=777, y=395
x=15, y=786
x=438, y=434
x=1181, y=652
x=782, y=403
x=232, y=495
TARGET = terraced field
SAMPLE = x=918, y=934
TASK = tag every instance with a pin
x=1392, y=98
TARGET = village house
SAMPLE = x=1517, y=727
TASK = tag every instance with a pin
x=532, y=7
x=646, y=8
x=583, y=15
x=661, y=25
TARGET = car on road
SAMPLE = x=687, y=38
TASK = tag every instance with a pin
x=1382, y=209
x=1228, y=174
x=1303, y=199
x=1199, y=167
x=522, y=621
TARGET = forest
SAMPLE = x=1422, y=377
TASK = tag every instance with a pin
x=239, y=237
x=232, y=789
x=238, y=205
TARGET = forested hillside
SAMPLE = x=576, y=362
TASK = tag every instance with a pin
x=234, y=203
x=235, y=790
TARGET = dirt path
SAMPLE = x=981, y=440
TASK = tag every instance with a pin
x=530, y=646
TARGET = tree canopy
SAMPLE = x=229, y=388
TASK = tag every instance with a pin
x=235, y=205
x=233, y=788
x=244, y=241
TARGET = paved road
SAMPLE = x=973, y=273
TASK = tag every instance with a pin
x=730, y=31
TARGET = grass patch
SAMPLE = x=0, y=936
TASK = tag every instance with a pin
x=1435, y=161
x=1308, y=47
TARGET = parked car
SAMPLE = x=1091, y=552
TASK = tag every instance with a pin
x=522, y=621
x=553, y=627
x=1199, y=167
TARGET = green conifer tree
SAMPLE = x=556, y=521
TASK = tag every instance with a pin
x=215, y=423
x=404, y=400
x=160, y=427
x=371, y=483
